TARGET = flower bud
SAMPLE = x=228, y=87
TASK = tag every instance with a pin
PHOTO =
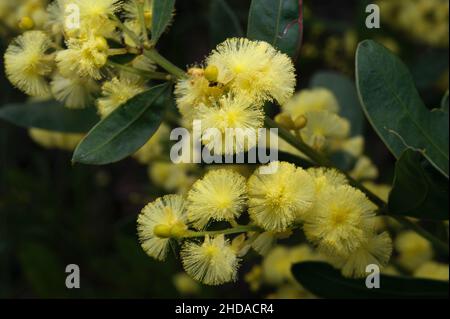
x=211, y=73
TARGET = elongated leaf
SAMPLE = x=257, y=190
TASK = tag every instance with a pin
x=161, y=17
x=419, y=190
x=345, y=91
x=221, y=15
x=50, y=115
x=324, y=281
x=125, y=130
x=278, y=22
x=394, y=108
x=444, y=103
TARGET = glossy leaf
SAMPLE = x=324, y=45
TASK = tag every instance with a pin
x=161, y=17
x=50, y=115
x=394, y=108
x=325, y=281
x=125, y=130
x=278, y=22
x=345, y=91
x=418, y=190
x=221, y=15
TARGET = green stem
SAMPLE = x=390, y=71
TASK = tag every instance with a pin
x=140, y=7
x=229, y=231
x=321, y=160
x=153, y=55
x=126, y=30
x=147, y=74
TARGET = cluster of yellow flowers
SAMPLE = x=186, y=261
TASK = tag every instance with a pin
x=232, y=87
x=336, y=218
x=424, y=20
x=67, y=57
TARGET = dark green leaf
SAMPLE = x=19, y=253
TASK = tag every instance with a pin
x=394, y=108
x=161, y=17
x=223, y=22
x=125, y=130
x=50, y=115
x=345, y=91
x=324, y=281
x=419, y=190
x=277, y=22
x=444, y=103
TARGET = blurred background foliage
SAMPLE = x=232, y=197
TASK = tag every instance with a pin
x=53, y=214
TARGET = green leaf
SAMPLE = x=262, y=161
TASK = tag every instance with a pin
x=220, y=15
x=161, y=17
x=394, y=108
x=50, y=115
x=125, y=130
x=325, y=281
x=444, y=103
x=345, y=91
x=418, y=190
x=278, y=22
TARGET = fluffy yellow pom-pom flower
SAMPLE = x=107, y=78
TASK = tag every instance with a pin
x=433, y=270
x=276, y=200
x=220, y=195
x=255, y=69
x=326, y=177
x=27, y=63
x=74, y=92
x=116, y=92
x=84, y=57
x=160, y=220
x=214, y=262
x=377, y=251
x=232, y=112
x=342, y=220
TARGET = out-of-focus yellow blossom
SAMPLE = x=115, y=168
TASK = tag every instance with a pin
x=220, y=195
x=263, y=242
x=377, y=251
x=277, y=264
x=160, y=220
x=132, y=19
x=413, y=250
x=58, y=140
x=254, y=277
x=28, y=64
x=95, y=16
x=364, y=169
x=322, y=126
x=213, y=262
x=352, y=145
x=254, y=69
x=276, y=200
x=341, y=222
x=290, y=291
x=12, y=13
x=423, y=20
x=84, y=57
x=381, y=190
x=154, y=146
x=116, y=92
x=75, y=92
x=185, y=285
x=433, y=270
x=313, y=100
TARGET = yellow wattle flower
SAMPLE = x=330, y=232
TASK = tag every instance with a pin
x=27, y=63
x=213, y=262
